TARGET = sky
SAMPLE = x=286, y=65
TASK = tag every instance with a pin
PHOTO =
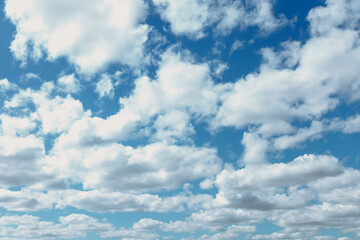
x=180, y=119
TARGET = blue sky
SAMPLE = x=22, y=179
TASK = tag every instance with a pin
x=180, y=119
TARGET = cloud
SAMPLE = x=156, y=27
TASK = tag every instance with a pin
x=5, y=85
x=302, y=134
x=91, y=35
x=192, y=19
x=236, y=46
x=105, y=87
x=315, y=217
x=123, y=168
x=154, y=151
x=232, y=232
x=349, y=125
x=169, y=102
x=197, y=16
x=25, y=200
x=13, y=126
x=274, y=186
x=299, y=81
x=20, y=160
x=335, y=14
x=69, y=84
x=29, y=227
x=110, y=201
x=56, y=114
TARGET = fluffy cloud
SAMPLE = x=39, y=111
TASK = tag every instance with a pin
x=5, y=85
x=298, y=82
x=90, y=35
x=25, y=200
x=197, y=15
x=263, y=187
x=110, y=201
x=231, y=232
x=315, y=217
x=69, y=84
x=173, y=99
x=12, y=126
x=192, y=20
x=55, y=113
x=119, y=167
x=20, y=159
x=29, y=227
x=90, y=165
x=349, y=125
x=105, y=87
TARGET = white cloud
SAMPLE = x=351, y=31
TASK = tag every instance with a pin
x=255, y=150
x=12, y=126
x=105, y=87
x=173, y=125
x=349, y=125
x=173, y=92
x=300, y=171
x=20, y=160
x=232, y=232
x=278, y=107
x=118, y=167
x=325, y=19
x=90, y=35
x=25, y=200
x=301, y=135
x=301, y=83
x=313, y=218
x=263, y=187
x=69, y=84
x=30, y=76
x=197, y=15
x=58, y=114
x=236, y=14
x=191, y=21
x=110, y=201
x=5, y=85
x=30, y=227
x=176, y=87
x=236, y=46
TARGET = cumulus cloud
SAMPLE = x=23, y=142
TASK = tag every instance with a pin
x=25, y=200
x=12, y=126
x=123, y=168
x=197, y=16
x=173, y=99
x=29, y=227
x=297, y=82
x=5, y=85
x=56, y=114
x=69, y=84
x=91, y=35
x=192, y=19
x=20, y=160
x=263, y=187
x=147, y=155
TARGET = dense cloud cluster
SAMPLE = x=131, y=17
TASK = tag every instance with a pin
x=57, y=153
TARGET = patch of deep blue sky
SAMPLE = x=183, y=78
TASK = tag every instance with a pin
x=241, y=62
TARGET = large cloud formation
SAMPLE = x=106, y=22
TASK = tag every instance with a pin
x=157, y=150
x=90, y=34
